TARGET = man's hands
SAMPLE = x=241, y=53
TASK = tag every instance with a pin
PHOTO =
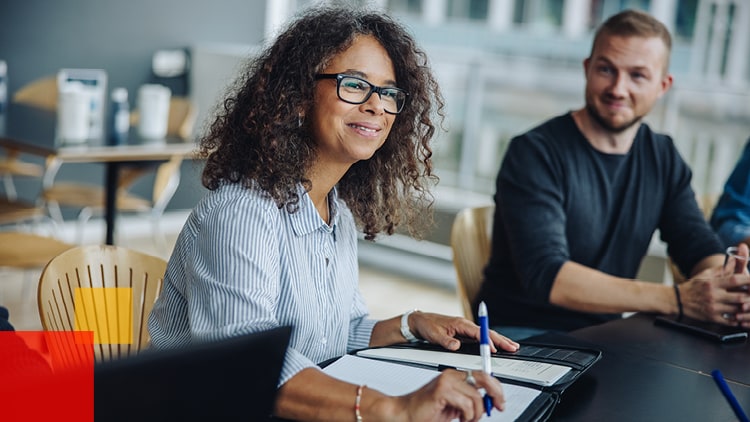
x=720, y=294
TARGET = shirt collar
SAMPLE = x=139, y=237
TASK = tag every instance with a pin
x=307, y=220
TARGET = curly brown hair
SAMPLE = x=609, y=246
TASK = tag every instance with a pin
x=257, y=138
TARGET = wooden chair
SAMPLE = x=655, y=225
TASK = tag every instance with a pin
x=471, y=236
x=28, y=250
x=13, y=212
x=40, y=93
x=119, y=331
x=90, y=198
x=12, y=209
x=12, y=166
x=28, y=253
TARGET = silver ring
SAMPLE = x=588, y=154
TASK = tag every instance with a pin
x=727, y=316
x=470, y=379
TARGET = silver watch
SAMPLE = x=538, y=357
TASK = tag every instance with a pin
x=405, y=331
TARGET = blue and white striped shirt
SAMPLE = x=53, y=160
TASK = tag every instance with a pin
x=242, y=265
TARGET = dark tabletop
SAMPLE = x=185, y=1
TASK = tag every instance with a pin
x=651, y=373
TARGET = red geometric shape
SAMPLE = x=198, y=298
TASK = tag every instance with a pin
x=42, y=380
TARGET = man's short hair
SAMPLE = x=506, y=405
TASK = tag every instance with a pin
x=634, y=23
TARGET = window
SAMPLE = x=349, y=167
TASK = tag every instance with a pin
x=468, y=9
x=541, y=16
x=685, y=18
x=405, y=7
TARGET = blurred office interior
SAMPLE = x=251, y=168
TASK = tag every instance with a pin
x=503, y=65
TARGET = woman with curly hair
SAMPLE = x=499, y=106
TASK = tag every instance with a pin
x=327, y=133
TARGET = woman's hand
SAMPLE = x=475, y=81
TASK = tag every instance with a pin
x=450, y=396
x=313, y=395
x=444, y=330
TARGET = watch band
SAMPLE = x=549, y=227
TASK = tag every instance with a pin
x=405, y=331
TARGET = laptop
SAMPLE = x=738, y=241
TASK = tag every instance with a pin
x=228, y=380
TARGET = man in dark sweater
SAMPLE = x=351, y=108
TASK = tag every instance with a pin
x=579, y=198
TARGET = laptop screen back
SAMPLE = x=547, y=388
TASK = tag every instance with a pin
x=233, y=379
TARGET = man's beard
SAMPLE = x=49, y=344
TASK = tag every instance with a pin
x=594, y=114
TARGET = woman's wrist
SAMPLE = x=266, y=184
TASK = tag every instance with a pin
x=406, y=330
x=376, y=406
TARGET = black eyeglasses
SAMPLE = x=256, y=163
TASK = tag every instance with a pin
x=354, y=90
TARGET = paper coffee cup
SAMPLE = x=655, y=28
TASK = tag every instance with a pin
x=153, y=111
x=73, y=114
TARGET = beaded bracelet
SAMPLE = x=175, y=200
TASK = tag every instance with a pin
x=357, y=414
x=679, y=301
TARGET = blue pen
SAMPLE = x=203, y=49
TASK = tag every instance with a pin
x=729, y=395
x=484, y=350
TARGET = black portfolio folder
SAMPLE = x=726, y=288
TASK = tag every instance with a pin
x=579, y=360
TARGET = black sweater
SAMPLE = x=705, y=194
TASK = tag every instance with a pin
x=558, y=199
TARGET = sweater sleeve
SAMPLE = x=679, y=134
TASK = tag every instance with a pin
x=682, y=225
x=531, y=199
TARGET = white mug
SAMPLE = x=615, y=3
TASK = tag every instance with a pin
x=153, y=111
x=73, y=114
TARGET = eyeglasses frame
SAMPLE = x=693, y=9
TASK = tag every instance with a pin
x=373, y=89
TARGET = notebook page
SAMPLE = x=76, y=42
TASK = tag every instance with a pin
x=396, y=379
x=539, y=373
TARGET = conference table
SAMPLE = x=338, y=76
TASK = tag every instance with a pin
x=652, y=373
x=30, y=131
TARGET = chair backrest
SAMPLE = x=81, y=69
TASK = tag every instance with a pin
x=75, y=294
x=40, y=93
x=12, y=209
x=471, y=234
x=182, y=116
x=28, y=250
x=166, y=181
x=17, y=211
x=11, y=164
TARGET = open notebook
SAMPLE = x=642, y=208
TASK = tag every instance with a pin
x=396, y=379
x=533, y=378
